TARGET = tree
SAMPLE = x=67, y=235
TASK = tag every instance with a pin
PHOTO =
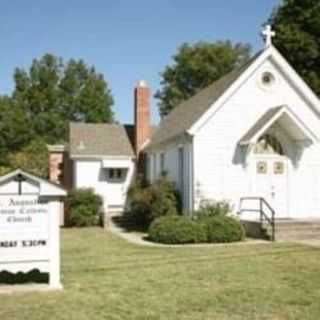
x=195, y=67
x=52, y=93
x=15, y=128
x=33, y=158
x=297, y=24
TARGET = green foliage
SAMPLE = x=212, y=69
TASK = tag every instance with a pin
x=195, y=67
x=165, y=199
x=176, y=230
x=52, y=93
x=210, y=208
x=211, y=223
x=139, y=198
x=148, y=202
x=15, y=129
x=297, y=24
x=32, y=158
x=83, y=207
x=46, y=97
x=221, y=228
x=211, y=227
x=4, y=170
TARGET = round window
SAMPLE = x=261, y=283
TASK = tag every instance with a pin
x=268, y=79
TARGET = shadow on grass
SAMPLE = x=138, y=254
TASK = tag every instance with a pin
x=128, y=224
x=33, y=276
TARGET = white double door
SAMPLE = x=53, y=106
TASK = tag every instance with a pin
x=270, y=181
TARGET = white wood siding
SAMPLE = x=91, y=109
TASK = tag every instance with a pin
x=219, y=169
x=90, y=174
x=171, y=167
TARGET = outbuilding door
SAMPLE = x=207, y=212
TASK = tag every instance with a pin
x=116, y=178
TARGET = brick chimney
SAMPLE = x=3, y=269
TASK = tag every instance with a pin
x=56, y=163
x=60, y=165
x=141, y=116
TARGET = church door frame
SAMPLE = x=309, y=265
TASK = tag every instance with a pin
x=272, y=174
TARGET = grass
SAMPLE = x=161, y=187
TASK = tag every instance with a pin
x=106, y=278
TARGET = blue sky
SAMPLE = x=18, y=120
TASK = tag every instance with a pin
x=125, y=40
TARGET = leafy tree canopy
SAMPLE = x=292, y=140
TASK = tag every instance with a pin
x=52, y=93
x=33, y=158
x=15, y=128
x=297, y=24
x=195, y=67
x=46, y=97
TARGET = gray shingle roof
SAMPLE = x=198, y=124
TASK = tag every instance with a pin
x=90, y=139
x=188, y=112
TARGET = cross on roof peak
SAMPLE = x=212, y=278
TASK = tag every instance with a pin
x=268, y=34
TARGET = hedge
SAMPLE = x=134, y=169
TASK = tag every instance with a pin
x=210, y=229
x=176, y=230
x=220, y=229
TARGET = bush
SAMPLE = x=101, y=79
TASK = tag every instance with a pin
x=210, y=208
x=84, y=208
x=222, y=228
x=148, y=202
x=176, y=230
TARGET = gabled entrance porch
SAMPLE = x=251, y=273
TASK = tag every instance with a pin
x=273, y=147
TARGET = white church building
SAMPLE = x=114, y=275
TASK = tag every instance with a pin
x=254, y=134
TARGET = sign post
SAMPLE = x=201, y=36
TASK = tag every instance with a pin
x=29, y=225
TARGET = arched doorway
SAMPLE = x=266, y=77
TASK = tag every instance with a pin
x=270, y=173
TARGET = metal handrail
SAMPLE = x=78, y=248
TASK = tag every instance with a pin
x=263, y=215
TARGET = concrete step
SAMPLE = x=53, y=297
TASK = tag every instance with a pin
x=295, y=229
x=302, y=236
x=289, y=222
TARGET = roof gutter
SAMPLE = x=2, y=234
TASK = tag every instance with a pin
x=99, y=157
x=151, y=146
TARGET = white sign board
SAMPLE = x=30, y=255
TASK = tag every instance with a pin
x=29, y=225
x=24, y=225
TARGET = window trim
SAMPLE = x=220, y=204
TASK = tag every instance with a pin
x=116, y=174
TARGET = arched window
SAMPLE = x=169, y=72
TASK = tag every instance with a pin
x=268, y=144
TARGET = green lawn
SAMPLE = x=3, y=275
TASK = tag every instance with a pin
x=106, y=278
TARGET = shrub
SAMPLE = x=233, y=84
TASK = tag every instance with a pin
x=165, y=199
x=210, y=208
x=176, y=230
x=148, y=202
x=84, y=208
x=222, y=228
